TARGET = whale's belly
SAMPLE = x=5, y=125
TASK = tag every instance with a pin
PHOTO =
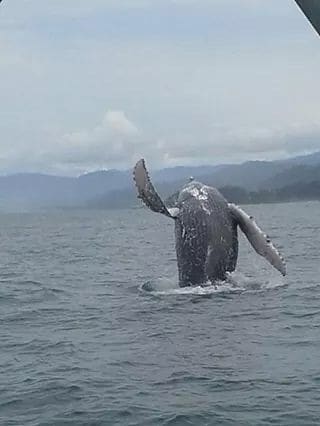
x=222, y=245
x=206, y=241
x=191, y=232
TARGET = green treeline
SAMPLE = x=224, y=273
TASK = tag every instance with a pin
x=238, y=195
x=294, y=192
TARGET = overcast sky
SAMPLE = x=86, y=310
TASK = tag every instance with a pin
x=89, y=84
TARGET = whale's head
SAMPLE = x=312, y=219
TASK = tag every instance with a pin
x=193, y=191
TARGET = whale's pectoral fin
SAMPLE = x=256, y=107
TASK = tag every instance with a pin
x=259, y=241
x=147, y=192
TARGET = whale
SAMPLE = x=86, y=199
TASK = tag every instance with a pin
x=206, y=230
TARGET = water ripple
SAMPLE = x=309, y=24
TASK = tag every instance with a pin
x=95, y=330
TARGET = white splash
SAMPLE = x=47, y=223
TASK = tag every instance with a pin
x=235, y=283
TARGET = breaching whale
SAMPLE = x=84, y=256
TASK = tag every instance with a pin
x=206, y=230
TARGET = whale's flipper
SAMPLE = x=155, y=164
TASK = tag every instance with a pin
x=259, y=241
x=147, y=192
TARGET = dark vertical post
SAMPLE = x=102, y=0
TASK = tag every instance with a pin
x=311, y=8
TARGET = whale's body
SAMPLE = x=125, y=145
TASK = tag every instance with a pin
x=206, y=235
x=206, y=230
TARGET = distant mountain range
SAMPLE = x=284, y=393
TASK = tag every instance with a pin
x=252, y=181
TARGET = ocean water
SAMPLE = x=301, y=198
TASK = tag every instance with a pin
x=82, y=341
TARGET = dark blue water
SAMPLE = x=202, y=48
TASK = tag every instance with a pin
x=83, y=344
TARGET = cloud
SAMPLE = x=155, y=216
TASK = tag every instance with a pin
x=117, y=141
x=182, y=81
x=241, y=144
x=112, y=142
x=119, y=123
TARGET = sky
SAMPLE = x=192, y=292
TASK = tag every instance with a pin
x=97, y=84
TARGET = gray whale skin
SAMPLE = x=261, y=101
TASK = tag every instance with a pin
x=206, y=230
